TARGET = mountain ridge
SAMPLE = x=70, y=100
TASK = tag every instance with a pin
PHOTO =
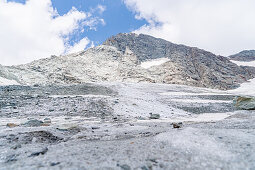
x=246, y=56
x=120, y=58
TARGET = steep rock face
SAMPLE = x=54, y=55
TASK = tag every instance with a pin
x=192, y=66
x=246, y=55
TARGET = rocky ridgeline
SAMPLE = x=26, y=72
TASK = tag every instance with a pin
x=120, y=59
x=246, y=55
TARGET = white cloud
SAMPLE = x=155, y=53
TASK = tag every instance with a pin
x=35, y=30
x=101, y=8
x=79, y=46
x=221, y=26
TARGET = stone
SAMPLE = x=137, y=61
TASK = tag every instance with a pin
x=70, y=128
x=41, y=137
x=144, y=168
x=11, y=125
x=124, y=167
x=47, y=120
x=54, y=163
x=41, y=152
x=11, y=158
x=245, y=103
x=33, y=123
x=154, y=116
x=16, y=146
x=177, y=125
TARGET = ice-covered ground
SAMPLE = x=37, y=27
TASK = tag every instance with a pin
x=109, y=126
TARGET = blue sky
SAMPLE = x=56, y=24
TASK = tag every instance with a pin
x=117, y=17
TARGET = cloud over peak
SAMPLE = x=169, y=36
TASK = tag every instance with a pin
x=221, y=26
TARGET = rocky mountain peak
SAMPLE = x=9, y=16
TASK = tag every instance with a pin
x=246, y=55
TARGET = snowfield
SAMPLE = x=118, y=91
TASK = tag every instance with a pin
x=244, y=63
x=247, y=89
x=6, y=82
x=155, y=62
x=123, y=126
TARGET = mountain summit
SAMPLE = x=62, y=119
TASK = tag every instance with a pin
x=246, y=55
x=136, y=58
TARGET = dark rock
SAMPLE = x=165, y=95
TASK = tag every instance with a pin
x=153, y=160
x=54, y=163
x=177, y=125
x=33, y=123
x=16, y=146
x=11, y=158
x=154, y=116
x=47, y=120
x=41, y=152
x=144, y=168
x=38, y=137
x=124, y=167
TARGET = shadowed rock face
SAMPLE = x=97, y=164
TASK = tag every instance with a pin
x=195, y=66
x=246, y=55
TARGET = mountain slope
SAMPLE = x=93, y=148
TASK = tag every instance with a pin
x=246, y=55
x=6, y=78
x=195, y=66
x=136, y=58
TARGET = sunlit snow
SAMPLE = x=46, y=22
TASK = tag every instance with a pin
x=156, y=62
x=247, y=88
x=6, y=82
x=244, y=63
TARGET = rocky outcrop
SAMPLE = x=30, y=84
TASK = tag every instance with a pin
x=245, y=103
x=246, y=55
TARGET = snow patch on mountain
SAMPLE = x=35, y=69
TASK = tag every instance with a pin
x=6, y=82
x=155, y=62
x=244, y=63
x=247, y=88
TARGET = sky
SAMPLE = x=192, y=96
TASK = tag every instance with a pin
x=35, y=29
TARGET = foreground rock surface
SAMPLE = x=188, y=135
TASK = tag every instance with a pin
x=108, y=126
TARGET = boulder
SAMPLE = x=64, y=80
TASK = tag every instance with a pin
x=245, y=103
